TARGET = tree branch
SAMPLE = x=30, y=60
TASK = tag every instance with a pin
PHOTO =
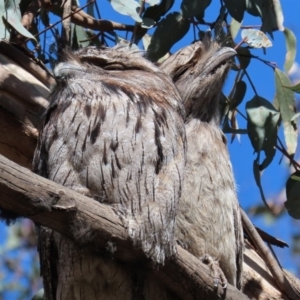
x=266, y=254
x=64, y=210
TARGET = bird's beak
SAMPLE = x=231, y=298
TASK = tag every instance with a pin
x=218, y=59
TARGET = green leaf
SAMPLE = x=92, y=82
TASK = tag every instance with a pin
x=244, y=57
x=287, y=107
x=295, y=116
x=295, y=177
x=39, y=295
x=146, y=40
x=238, y=94
x=11, y=14
x=294, y=88
x=4, y=32
x=148, y=23
x=291, y=49
x=128, y=8
x=169, y=30
x=236, y=9
x=192, y=8
x=255, y=38
x=293, y=195
x=155, y=12
x=270, y=12
x=278, y=14
x=90, y=8
x=262, y=127
x=152, y=2
x=81, y=36
x=234, y=27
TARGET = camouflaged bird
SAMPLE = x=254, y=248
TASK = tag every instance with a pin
x=113, y=131
x=208, y=222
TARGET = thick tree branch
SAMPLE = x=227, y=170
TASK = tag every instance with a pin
x=67, y=212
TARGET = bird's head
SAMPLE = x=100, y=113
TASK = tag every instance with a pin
x=202, y=67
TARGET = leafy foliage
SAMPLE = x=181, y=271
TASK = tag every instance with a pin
x=11, y=18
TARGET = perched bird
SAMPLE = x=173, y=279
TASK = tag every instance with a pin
x=208, y=221
x=113, y=131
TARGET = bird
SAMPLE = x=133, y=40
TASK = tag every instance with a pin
x=208, y=222
x=114, y=131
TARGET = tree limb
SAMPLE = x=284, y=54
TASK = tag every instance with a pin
x=278, y=274
x=64, y=210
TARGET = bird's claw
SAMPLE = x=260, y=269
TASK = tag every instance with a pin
x=217, y=271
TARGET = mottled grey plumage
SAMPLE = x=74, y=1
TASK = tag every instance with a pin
x=208, y=220
x=114, y=131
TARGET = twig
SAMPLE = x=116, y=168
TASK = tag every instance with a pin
x=250, y=81
x=62, y=19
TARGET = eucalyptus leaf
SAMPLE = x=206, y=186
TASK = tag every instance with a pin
x=90, y=8
x=238, y=95
x=152, y=2
x=278, y=14
x=295, y=116
x=39, y=295
x=148, y=23
x=146, y=40
x=255, y=38
x=294, y=88
x=192, y=8
x=157, y=11
x=168, y=31
x=10, y=12
x=291, y=49
x=4, y=32
x=236, y=9
x=287, y=107
x=293, y=195
x=81, y=36
x=262, y=127
x=244, y=57
x=270, y=13
x=234, y=27
x=253, y=7
x=295, y=177
x=128, y=8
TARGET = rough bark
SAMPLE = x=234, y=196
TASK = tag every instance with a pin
x=24, y=88
x=258, y=282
